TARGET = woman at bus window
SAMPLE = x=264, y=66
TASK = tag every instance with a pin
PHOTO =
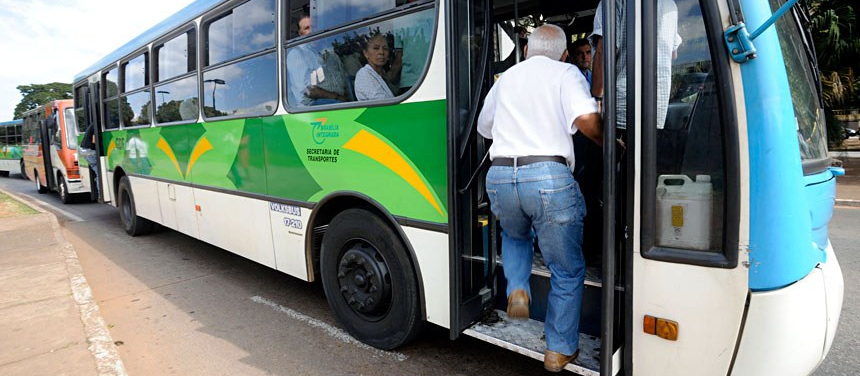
x=369, y=81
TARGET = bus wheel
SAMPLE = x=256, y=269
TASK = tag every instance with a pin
x=369, y=281
x=23, y=170
x=39, y=187
x=132, y=224
x=64, y=190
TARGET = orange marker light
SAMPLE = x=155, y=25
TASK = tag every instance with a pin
x=197, y=207
x=650, y=324
x=667, y=329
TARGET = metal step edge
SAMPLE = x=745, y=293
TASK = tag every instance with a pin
x=527, y=352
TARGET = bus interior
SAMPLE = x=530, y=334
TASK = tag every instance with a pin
x=686, y=154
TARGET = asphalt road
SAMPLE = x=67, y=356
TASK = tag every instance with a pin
x=176, y=305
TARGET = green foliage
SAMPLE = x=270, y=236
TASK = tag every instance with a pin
x=834, y=28
x=35, y=95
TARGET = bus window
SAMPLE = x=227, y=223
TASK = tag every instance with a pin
x=242, y=42
x=242, y=31
x=808, y=113
x=135, y=102
x=690, y=182
x=376, y=62
x=110, y=101
x=176, y=82
x=328, y=13
x=71, y=128
x=80, y=110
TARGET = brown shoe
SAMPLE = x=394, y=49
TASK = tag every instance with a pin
x=555, y=362
x=518, y=304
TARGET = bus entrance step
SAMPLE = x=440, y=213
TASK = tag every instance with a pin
x=527, y=338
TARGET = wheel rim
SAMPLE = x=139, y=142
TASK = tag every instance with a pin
x=36, y=178
x=63, y=190
x=364, y=280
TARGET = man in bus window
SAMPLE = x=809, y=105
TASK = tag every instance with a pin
x=314, y=78
x=668, y=41
x=531, y=113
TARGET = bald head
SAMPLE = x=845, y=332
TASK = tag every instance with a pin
x=547, y=40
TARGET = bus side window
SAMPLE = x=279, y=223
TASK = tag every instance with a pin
x=110, y=99
x=240, y=76
x=375, y=62
x=176, y=97
x=690, y=168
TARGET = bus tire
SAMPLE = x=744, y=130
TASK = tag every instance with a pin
x=369, y=281
x=39, y=187
x=23, y=170
x=65, y=197
x=131, y=222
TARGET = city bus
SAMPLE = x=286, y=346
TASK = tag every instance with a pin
x=10, y=147
x=50, y=157
x=257, y=126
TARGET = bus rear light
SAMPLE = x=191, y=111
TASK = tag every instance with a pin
x=74, y=173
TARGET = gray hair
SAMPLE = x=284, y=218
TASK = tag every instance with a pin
x=547, y=40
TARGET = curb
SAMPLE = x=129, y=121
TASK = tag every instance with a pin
x=101, y=345
x=847, y=202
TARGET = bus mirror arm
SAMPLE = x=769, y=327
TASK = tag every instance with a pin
x=740, y=42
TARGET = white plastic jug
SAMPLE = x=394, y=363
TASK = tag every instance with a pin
x=684, y=212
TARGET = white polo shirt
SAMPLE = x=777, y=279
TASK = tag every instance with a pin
x=531, y=109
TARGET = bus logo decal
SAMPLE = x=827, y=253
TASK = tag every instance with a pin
x=320, y=131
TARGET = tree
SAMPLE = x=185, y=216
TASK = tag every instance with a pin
x=836, y=34
x=35, y=95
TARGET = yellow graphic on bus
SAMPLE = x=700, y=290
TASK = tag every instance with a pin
x=374, y=148
x=165, y=147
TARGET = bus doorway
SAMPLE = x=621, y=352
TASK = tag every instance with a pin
x=494, y=35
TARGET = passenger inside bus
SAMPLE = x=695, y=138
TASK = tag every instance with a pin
x=370, y=82
x=314, y=78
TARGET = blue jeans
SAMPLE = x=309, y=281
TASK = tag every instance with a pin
x=542, y=199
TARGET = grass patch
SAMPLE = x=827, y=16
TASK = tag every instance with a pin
x=9, y=207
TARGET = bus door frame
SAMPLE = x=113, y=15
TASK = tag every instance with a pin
x=94, y=118
x=45, y=125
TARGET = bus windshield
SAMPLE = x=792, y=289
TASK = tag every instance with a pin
x=71, y=128
x=811, y=131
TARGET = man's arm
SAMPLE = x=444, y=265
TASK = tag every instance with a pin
x=591, y=126
x=597, y=68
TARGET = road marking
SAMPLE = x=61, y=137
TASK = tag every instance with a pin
x=66, y=214
x=330, y=330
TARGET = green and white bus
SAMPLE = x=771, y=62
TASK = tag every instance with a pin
x=11, y=138
x=335, y=141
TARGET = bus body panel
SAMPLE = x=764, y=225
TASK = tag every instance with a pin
x=786, y=329
x=239, y=224
x=707, y=304
x=290, y=228
x=146, y=198
x=775, y=164
x=431, y=250
x=12, y=166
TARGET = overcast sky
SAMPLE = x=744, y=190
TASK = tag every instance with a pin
x=45, y=41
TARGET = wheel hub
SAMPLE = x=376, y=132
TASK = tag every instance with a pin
x=364, y=280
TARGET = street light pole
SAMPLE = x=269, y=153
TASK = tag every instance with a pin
x=162, y=92
x=215, y=82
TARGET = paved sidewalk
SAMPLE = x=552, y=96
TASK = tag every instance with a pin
x=49, y=322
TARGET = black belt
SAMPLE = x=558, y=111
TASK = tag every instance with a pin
x=526, y=160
